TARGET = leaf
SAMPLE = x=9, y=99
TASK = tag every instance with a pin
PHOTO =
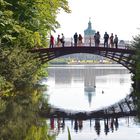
x=69, y=135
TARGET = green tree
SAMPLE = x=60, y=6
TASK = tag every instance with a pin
x=136, y=76
x=20, y=19
x=136, y=58
x=25, y=24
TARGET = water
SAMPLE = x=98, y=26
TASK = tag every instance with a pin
x=78, y=88
x=117, y=129
x=87, y=87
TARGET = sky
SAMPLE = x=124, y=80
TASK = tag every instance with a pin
x=121, y=17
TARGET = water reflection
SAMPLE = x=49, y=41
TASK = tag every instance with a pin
x=107, y=120
x=93, y=86
x=19, y=116
x=98, y=126
x=93, y=94
x=89, y=92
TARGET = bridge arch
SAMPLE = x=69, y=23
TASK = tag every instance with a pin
x=121, y=56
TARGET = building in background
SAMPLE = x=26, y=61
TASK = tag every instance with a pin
x=88, y=41
x=89, y=34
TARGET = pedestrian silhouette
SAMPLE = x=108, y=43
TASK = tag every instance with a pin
x=75, y=39
x=97, y=126
x=106, y=37
x=111, y=40
x=58, y=41
x=80, y=38
x=76, y=125
x=62, y=40
x=80, y=124
x=116, y=124
x=112, y=124
x=51, y=41
x=116, y=41
x=106, y=126
x=52, y=123
x=97, y=39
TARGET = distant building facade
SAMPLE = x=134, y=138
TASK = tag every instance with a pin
x=88, y=39
x=89, y=34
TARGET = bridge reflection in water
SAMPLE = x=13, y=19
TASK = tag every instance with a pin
x=59, y=124
x=124, y=108
x=106, y=120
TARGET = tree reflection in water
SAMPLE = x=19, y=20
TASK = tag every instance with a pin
x=136, y=100
x=19, y=116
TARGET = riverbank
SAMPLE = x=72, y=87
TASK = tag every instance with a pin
x=88, y=65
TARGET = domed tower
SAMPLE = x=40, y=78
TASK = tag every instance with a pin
x=89, y=34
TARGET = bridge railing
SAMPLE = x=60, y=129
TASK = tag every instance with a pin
x=91, y=43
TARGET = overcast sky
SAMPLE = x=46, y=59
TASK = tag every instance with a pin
x=121, y=17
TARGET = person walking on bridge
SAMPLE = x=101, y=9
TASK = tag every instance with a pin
x=106, y=37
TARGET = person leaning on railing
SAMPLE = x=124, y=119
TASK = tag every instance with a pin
x=58, y=41
x=80, y=38
x=62, y=40
x=116, y=41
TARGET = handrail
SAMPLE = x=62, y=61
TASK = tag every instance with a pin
x=91, y=43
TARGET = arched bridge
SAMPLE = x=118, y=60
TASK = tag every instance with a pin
x=120, y=55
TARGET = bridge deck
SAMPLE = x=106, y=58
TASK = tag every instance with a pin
x=120, y=55
x=84, y=49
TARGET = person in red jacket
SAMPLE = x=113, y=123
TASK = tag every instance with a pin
x=51, y=41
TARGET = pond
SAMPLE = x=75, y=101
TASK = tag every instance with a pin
x=86, y=88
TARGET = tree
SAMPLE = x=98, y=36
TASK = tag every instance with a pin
x=25, y=24
x=22, y=18
x=136, y=58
